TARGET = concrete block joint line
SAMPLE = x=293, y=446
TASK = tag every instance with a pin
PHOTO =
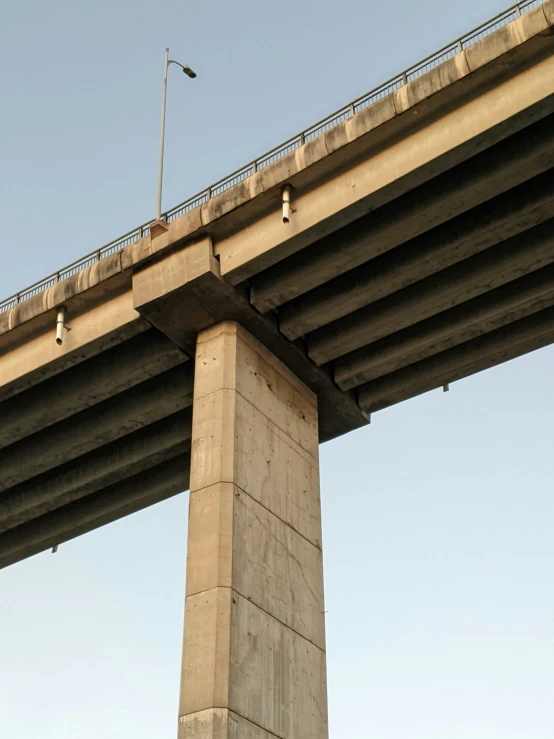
x=344, y=113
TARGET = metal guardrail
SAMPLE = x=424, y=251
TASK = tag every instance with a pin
x=447, y=52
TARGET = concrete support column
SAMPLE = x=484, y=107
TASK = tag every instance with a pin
x=254, y=640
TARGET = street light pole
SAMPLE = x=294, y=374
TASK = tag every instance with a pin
x=189, y=72
x=162, y=141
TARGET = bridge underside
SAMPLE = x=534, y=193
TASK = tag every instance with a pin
x=91, y=444
x=449, y=277
x=462, y=278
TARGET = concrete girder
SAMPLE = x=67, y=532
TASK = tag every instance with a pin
x=129, y=496
x=470, y=233
x=442, y=196
x=497, y=266
x=112, y=419
x=87, y=384
x=110, y=464
x=462, y=361
x=506, y=304
x=29, y=356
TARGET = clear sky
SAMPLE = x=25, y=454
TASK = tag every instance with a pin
x=437, y=519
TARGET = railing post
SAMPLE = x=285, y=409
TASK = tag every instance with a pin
x=209, y=192
x=254, y=167
x=460, y=46
x=404, y=78
x=352, y=109
x=302, y=138
x=518, y=10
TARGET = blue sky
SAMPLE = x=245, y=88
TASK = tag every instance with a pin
x=437, y=518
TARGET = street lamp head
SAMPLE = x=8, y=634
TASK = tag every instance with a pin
x=189, y=72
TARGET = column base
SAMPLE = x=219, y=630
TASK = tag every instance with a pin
x=220, y=723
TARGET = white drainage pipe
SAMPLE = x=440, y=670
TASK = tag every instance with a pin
x=286, y=203
x=60, y=324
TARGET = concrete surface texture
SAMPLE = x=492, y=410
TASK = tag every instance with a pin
x=419, y=251
x=254, y=640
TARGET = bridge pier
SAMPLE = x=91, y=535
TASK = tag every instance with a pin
x=254, y=638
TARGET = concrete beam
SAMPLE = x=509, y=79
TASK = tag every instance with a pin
x=87, y=384
x=485, y=176
x=471, y=233
x=110, y=420
x=474, y=356
x=129, y=496
x=38, y=357
x=479, y=316
x=88, y=474
x=400, y=166
x=519, y=256
x=188, y=283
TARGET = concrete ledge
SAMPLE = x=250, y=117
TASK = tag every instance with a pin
x=446, y=74
x=220, y=723
x=548, y=10
x=188, y=283
x=506, y=39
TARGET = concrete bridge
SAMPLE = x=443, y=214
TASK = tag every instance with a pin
x=217, y=351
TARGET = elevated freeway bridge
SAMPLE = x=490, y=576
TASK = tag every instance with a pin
x=402, y=244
